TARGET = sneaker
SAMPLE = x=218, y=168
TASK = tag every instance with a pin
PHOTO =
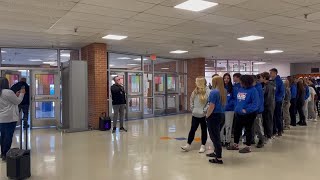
x=260, y=144
x=279, y=134
x=286, y=128
x=211, y=155
x=315, y=120
x=202, y=149
x=227, y=145
x=245, y=150
x=216, y=161
x=186, y=148
x=303, y=124
x=223, y=144
x=234, y=147
x=123, y=129
x=114, y=130
x=4, y=158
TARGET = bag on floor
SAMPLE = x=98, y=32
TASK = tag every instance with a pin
x=104, y=122
x=18, y=160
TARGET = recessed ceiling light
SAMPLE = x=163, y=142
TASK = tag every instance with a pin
x=165, y=68
x=114, y=75
x=139, y=59
x=65, y=55
x=178, y=52
x=250, y=38
x=133, y=64
x=35, y=60
x=3, y=51
x=123, y=58
x=111, y=65
x=258, y=63
x=114, y=37
x=195, y=5
x=273, y=51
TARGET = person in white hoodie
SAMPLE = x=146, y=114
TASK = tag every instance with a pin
x=199, y=106
x=9, y=114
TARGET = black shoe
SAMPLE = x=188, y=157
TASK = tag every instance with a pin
x=223, y=144
x=279, y=134
x=303, y=124
x=114, y=130
x=216, y=161
x=227, y=145
x=123, y=129
x=253, y=142
x=4, y=158
x=299, y=123
x=212, y=155
x=260, y=144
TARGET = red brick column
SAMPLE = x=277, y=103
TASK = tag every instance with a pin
x=96, y=56
x=195, y=67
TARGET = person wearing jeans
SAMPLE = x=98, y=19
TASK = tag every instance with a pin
x=199, y=106
x=217, y=102
x=278, y=122
x=9, y=114
x=226, y=130
x=119, y=103
x=246, y=111
x=293, y=100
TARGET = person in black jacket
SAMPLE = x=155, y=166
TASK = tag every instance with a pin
x=300, y=103
x=25, y=104
x=119, y=103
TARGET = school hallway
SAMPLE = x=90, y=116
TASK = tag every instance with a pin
x=150, y=150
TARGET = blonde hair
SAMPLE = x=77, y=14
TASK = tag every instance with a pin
x=217, y=83
x=201, y=90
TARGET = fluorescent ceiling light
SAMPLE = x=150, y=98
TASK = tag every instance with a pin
x=65, y=55
x=35, y=60
x=205, y=64
x=178, y=52
x=258, y=63
x=3, y=51
x=139, y=59
x=250, y=38
x=111, y=65
x=50, y=62
x=114, y=75
x=114, y=37
x=195, y=5
x=3, y=60
x=165, y=68
x=273, y=51
x=133, y=64
x=123, y=58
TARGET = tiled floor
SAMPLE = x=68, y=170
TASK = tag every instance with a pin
x=143, y=154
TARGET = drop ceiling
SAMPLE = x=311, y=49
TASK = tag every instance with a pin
x=155, y=27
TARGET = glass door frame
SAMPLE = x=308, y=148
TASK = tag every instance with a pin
x=45, y=122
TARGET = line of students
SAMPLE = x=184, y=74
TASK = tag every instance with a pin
x=257, y=104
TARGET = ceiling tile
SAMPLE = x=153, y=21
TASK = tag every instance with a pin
x=302, y=2
x=241, y=13
x=93, y=18
x=131, y=5
x=158, y=19
x=287, y=30
x=307, y=26
x=280, y=20
x=269, y=6
x=172, y=12
x=314, y=16
x=143, y=25
x=219, y=20
x=299, y=13
x=56, y=4
x=91, y=9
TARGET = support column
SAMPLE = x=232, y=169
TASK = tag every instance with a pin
x=96, y=56
x=195, y=68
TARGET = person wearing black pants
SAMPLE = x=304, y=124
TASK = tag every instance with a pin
x=301, y=93
x=217, y=103
x=246, y=108
x=293, y=100
x=199, y=106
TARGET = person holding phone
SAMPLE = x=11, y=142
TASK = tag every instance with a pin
x=25, y=104
x=9, y=114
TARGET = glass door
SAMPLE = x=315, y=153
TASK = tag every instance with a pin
x=172, y=94
x=160, y=94
x=134, y=95
x=45, y=102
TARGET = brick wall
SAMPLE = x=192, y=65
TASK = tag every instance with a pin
x=74, y=55
x=196, y=67
x=96, y=56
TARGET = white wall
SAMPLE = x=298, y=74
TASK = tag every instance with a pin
x=283, y=68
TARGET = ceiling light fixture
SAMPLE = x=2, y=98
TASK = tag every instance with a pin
x=114, y=37
x=250, y=38
x=139, y=59
x=49, y=62
x=65, y=55
x=35, y=60
x=259, y=63
x=133, y=64
x=178, y=52
x=195, y=5
x=3, y=51
x=165, y=68
x=124, y=58
x=273, y=51
x=111, y=65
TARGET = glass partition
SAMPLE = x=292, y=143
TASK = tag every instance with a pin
x=125, y=62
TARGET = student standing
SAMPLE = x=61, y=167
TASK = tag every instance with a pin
x=246, y=111
x=293, y=100
x=306, y=100
x=278, y=122
x=199, y=106
x=236, y=87
x=311, y=107
x=286, y=106
x=269, y=90
x=217, y=102
x=300, y=102
x=229, y=111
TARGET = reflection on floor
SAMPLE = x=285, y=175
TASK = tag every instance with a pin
x=141, y=154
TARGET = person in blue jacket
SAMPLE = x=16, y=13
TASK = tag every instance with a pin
x=236, y=87
x=229, y=114
x=257, y=128
x=246, y=108
x=293, y=100
x=280, y=92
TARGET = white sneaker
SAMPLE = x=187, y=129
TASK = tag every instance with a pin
x=315, y=120
x=202, y=149
x=186, y=147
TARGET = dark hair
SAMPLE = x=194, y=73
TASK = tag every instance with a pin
x=274, y=70
x=246, y=81
x=258, y=76
x=300, y=87
x=254, y=78
x=114, y=78
x=4, y=84
x=229, y=85
x=215, y=75
x=291, y=80
x=265, y=75
x=238, y=75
